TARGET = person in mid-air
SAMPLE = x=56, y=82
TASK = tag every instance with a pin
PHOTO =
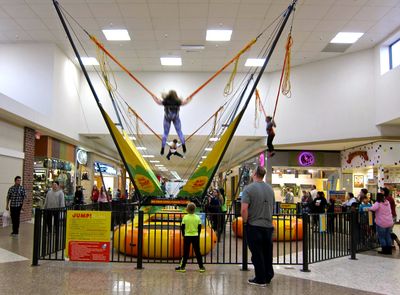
x=271, y=135
x=172, y=104
x=173, y=149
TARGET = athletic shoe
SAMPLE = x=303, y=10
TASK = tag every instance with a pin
x=184, y=148
x=162, y=151
x=253, y=282
x=202, y=269
x=180, y=269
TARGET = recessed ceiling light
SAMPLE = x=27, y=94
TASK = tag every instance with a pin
x=192, y=47
x=148, y=156
x=254, y=62
x=201, y=162
x=141, y=148
x=89, y=61
x=131, y=137
x=171, y=61
x=154, y=161
x=117, y=35
x=208, y=149
x=346, y=37
x=213, y=139
x=218, y=35
x=203, y=157
x=159, y=165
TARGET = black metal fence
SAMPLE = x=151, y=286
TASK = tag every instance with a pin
x=138, y=237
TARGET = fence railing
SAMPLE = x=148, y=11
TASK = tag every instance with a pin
x=138, y=237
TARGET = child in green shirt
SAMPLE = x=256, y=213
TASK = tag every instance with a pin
x=191, y=228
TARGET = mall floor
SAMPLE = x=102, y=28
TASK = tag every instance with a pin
x=369, y=274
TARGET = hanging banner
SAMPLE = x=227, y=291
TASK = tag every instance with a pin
x=88, y=236
x=197, y=183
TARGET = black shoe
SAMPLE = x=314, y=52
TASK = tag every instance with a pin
x=180, y=269
x=253, y=282
x=184, y=148
x=168, y=158
x=162, y=151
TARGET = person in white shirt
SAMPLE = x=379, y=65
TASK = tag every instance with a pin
x=173, y=149
x=313, y=192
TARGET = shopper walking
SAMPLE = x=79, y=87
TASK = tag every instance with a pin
x=257, y=207
x=15, y=199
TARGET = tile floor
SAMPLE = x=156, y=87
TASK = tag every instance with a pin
x=369, y=274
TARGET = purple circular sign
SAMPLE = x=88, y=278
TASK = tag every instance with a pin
x=306, y=159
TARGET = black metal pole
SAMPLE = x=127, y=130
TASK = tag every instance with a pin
x=353, y=236
x=306, y=221
x=85, y=73
x=139, y=262
x=244, y=249
x=36, y=237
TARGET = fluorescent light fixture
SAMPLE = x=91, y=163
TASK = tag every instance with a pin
x=171, y=61
x=89, y=61
x=154, y=161
x=175, y=174
x=159, y=165
x=141, y=148
x=346, y=37
x=192, y=47
x=117, y=35
x=201, y=162
x=214, y=139
x=254, y=62
x=131, y=137
x=218, y=35
x=148, y=156
x=203, y=157
x=208, y=149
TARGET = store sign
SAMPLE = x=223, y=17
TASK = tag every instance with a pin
x=104, y=168
x=88, y=236
x=362, y=154
x=306, y=159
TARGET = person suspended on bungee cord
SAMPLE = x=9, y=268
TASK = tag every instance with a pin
x=271, y=135
x=173, y=149
x=172, y=104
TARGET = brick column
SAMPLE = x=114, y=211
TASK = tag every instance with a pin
x=27, y=174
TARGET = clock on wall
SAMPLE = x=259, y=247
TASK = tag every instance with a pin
x=81, y=156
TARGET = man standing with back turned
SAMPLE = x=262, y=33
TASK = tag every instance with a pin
x=257, y=208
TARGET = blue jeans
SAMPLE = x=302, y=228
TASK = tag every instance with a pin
x=259, y=240
x=384, y=236
x=167, y=125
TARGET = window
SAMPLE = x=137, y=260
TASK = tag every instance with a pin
x=394, y=54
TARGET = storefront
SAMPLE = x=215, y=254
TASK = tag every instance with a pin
x=294, y=170
x=54, y=161
x=373, y=166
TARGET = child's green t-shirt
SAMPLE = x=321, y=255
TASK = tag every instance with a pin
x=191, y=222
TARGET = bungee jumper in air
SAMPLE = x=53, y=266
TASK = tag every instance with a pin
x=173, y=149
x=172, y=104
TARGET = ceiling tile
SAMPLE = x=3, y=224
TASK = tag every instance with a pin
x=220, y=23
x=17, y=35
x=44, y=10
x=382, y=2
x=41, y=35
x=253, y=10
x=31, y=24
x=134, y=10
x=371, y=12
x=138, y=23
x=164, y=10
x=193, y=35
x=341, y=12
x=312, y=12
x=193, y=24
x=78, y=10
x=139, y=35
x=110, y=22
x=193, y=10
x=304, y=25
x=324, y=37
x=167, y=35
x=358, y=26
x=18, y=10
x=166, y=24
x=169, y=44
x=148, y=44
x=253, y=24
x=105, y=10
x=351, y=2
x=7, y=24
x=223, y=10
x=331, y=25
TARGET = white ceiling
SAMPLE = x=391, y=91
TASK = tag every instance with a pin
x=159, y=27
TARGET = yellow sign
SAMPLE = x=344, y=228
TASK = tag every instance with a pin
x=288, y=206
x=322, y=222
x=92, y=227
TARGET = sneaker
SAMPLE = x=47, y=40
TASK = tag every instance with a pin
x=180, y=269
x=184, y=148
x=202, y=269
x=162, y=151
x=253, y=282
